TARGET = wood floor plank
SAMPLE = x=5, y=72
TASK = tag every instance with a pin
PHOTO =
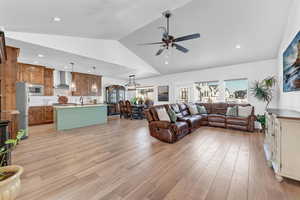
x=239, y=182
x=219, y=188
x=121, y=161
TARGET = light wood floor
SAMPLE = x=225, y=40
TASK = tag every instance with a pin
x=121, y=161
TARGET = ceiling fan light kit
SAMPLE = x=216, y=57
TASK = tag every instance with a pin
x=169, y=40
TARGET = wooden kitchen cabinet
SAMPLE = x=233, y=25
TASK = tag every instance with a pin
x=35, y=115
x=48, y=82
x=40, y=115
x=48, y=114
x=85, y=84
x=32, y=74
x=77, y=81
x=8, y=78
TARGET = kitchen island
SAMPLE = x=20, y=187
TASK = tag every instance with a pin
x=76, y=116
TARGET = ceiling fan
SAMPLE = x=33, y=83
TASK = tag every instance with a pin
x=169, y=40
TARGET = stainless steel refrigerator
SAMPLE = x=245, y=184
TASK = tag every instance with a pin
x=22, y=103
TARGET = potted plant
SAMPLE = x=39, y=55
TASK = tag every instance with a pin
x=10, y=184
x=263, y=91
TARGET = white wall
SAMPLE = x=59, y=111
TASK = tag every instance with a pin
x=252, y=71
x=290, y=100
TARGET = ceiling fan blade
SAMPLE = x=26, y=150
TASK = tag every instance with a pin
x=180, y=48
x=151, y=43
x=159, y=52
x=187, y=37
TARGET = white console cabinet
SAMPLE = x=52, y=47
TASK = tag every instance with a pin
x=282, y=143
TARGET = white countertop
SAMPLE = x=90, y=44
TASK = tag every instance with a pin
x=80, y=106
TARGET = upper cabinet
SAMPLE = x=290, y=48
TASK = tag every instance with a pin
x=38, y=75
x=48, y=82
x=86, y=84
x=32, y=74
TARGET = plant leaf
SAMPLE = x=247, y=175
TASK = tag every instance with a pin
x=11, y=141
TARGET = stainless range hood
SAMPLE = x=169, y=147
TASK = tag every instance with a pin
x=62, y=80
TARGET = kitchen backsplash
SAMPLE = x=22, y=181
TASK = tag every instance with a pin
x=49, y=100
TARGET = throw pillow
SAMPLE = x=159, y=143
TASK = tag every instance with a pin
x=193, y=109
x=201, y=109
x=172, y=115
x=232, y=111
x=163, y=115
x=244, y=111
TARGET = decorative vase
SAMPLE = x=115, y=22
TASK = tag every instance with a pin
x=62, y=100
x=10, y=187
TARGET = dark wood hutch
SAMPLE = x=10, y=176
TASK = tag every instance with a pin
x=114, y=94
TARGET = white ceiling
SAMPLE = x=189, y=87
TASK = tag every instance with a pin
x=256, y=25
x=108, y=51
x=60, y=60
x=95, y=26
x=106, y=19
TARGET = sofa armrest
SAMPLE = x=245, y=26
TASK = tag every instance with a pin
x=160, y=124
x=252, y=119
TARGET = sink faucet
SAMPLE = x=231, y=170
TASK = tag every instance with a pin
x=81, y=100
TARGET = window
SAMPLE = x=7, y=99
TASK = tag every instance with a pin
x=207, y=91
x=236, y=91
x=184, y=95
x=145, y=93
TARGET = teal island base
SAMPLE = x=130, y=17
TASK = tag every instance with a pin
x=69, y=117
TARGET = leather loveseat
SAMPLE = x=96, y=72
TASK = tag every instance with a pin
x=187, y=123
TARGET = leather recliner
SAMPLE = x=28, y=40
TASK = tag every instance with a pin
x=164, y=130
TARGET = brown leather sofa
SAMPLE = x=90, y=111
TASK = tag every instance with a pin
x=216, y=117
x=186, y=123
x=183, y=114
x=164, y=130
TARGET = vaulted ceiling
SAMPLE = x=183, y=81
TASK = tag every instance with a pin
x=105, y=33
x=254, y=26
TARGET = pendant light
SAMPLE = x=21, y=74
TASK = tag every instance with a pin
x=73, y=85
x=131, y=85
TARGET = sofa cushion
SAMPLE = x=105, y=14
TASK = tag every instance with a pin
x=219, y=108
x=216, y=118
x=204, y=117
x=232, y=111
x=244, y=111
x=184, y=109
x=172, y=115
x=163, y=114
x=208, y=107
x=201, y=109
x=175, y=107
x=242, y=121
x=193, y=120
x=193, y=109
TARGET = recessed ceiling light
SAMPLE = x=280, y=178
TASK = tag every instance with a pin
x=56, y=19
x=166, y=62
x=40, y=55
x=238, y=46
